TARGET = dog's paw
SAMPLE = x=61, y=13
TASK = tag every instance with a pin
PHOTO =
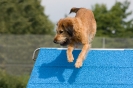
x=70, y=59
x=78, y=63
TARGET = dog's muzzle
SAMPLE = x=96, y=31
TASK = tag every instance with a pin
x=55, y=41
x=64, y=43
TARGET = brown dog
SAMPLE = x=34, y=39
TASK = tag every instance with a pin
x=74, y=30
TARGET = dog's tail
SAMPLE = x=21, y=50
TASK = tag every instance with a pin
x=74, y=9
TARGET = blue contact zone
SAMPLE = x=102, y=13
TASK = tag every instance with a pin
x=101, y=69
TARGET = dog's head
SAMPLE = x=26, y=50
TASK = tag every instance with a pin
x=64, y=32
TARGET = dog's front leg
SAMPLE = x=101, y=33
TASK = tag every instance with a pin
x=82, y=55
x=69, y=53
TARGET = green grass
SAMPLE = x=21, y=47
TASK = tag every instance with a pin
x=12, y=81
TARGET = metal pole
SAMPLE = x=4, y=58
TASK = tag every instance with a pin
x=103, y=42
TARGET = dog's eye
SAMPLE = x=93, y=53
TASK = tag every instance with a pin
x=61, y=31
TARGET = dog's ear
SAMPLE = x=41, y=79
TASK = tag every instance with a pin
x=69, y=29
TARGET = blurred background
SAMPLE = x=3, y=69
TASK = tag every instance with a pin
x=29, y=24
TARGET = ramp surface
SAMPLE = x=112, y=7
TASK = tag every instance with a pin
x=101, y=69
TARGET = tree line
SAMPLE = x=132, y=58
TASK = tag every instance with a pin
x=24, y=17
x=113, y=22
x=28, y=17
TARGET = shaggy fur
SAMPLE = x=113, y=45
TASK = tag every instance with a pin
x=74, y=30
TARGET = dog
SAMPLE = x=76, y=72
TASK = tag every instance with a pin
x=74, y=30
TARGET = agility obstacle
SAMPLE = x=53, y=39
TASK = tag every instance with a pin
x=101, y=69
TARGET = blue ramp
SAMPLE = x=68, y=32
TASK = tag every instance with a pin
x=101, y=69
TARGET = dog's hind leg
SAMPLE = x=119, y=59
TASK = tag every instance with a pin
x=82, y=55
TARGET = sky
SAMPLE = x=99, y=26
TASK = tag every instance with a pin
x=56, y=9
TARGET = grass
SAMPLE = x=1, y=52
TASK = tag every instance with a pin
x=12, y=81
